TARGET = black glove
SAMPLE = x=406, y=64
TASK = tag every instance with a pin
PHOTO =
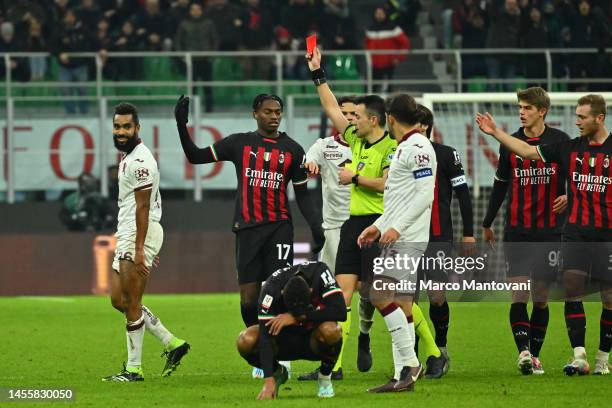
x=318, y=238
x=181, y=110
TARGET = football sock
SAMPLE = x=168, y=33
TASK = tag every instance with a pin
x=422, y=330
x=134, y=334
x=439, y=316
x=605, y=330
x=397, y=362
x=346, y=329
x=154, y=326
x=366, y=315
x=602, y=355
x=402, y=335
x=329, y=354
x=538, y=325
x=249, y=314
x=519, y=323
x=575, y=320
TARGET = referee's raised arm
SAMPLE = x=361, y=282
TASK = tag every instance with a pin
x=328, y=100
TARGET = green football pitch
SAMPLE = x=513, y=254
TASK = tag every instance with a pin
x=72, y=342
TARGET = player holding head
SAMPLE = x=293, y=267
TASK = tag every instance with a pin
x=534, y=214
x=403, y=232
x=372, y=149
x=326, y=157
x=139, y=239
x=299, y=310
x=266, y=160
x=586, y=237
x=449, y=177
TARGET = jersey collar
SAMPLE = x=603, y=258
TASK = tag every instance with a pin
x=407, y=135
x=339, y=140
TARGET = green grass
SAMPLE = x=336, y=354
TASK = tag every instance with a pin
x=74, y=341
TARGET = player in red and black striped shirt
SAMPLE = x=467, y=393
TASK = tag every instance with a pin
x=534, y=219
x=265, y=160
x=587, y=235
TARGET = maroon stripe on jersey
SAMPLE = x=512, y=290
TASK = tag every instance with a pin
x=574, y=193
x=527, y=197
x=270, y=190
x=597, y=196
x=435, y=211
x=553, y=195
x=515, y=193
x=540, y=215
x=584, y=193
x=246, y=157
x=608, y=201
x=283, y=192
x=257, y=189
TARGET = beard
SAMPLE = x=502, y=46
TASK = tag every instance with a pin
x=127, y=146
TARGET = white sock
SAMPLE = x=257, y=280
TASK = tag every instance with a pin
x=579, y=352
x=135, y=335
x=155, y=326
x=402, y=335
x=396, y=362
x=602, y=356
x=366, y=316
x=324, y=380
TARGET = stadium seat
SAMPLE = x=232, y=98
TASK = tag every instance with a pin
x=344, y=67
x=226, y=69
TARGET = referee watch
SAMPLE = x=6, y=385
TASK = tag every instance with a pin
x=355, y=179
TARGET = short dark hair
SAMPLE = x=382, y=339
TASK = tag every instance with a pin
x=296, y=295
x=535, y=96
x=126, y=108
x=261, y=98
x=403, y=107
x=346, y=99
x=375, y=106
x=596, y=102
x=425, y=117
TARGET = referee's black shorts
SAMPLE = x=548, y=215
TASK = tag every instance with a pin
x=263, y=249
x=351, y=259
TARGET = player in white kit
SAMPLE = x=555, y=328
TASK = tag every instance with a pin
x=139, y=240
x=404, y=233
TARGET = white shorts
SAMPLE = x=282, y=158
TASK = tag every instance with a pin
x=400, y=264
x=330, y=248
x=126, y=247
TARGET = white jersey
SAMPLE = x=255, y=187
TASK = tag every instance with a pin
x=409, y=189
x=330, y=154
x=137, y=171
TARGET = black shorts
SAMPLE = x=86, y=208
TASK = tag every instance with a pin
x=432, y=270
x=293, y=343
x=533, y=255
x=588, y=254
x=350, y=258
x=262, y=250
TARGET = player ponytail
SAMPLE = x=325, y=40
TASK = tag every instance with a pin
x=296, y=295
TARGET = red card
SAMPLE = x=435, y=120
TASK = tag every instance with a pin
x=311, y=43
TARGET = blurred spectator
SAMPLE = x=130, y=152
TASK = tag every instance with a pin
x=403, y=13
x=104, y=43
x=21, y=13
x=126, y=40
x=256, y=36
x=505, y=21
x=151, y=26
x=73, y=37
x=118, y=11
x=228, y=22
x=385, y=35
x=534, y=34
x=198, y=33
x=86, y=209
x=36, y=42
x=338, y=26
x=284, y=42
x=9, y=43
x=177, y=13
x=474, y=35
x=89, y=13
x=299, y=17
x=58, y=10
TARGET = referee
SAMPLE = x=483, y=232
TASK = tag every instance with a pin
x=372, y=150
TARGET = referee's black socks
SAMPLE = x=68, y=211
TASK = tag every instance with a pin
x=519, y=322
x=439, y=316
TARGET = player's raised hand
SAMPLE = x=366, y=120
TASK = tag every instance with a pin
x=388, y=238
x=181, y=110
x=312, y=167
x=314, y=59
x=560, y=204
x=486, y=123
x=368, y=236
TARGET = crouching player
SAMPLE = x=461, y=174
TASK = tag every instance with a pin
x=299, y=310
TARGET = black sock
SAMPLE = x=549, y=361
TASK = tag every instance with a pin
x=416, y=344
x=538, y=326
x=519, y=322
x=439, y=316
x=249, y=313
x=605, y=330
x=575, y=320
x=329, y=355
